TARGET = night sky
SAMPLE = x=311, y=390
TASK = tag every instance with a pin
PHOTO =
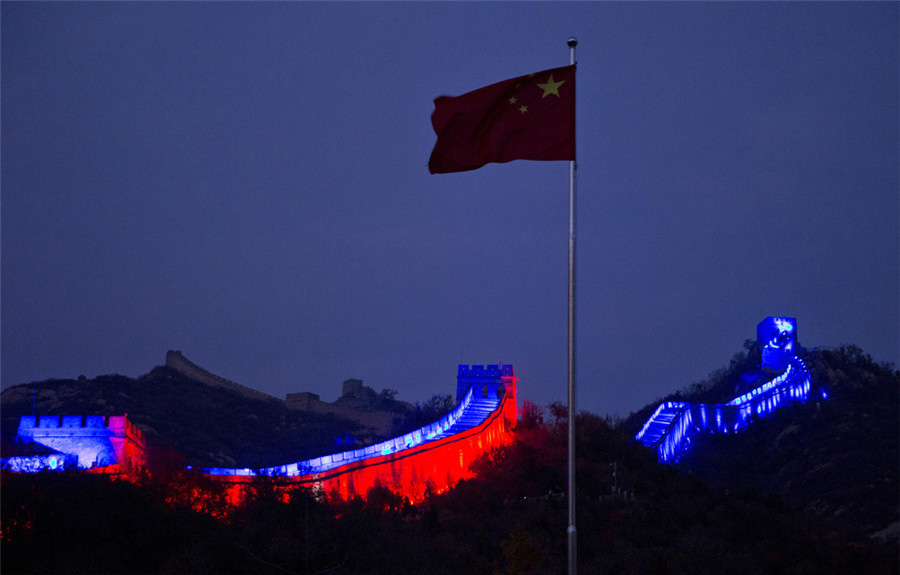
x=248, y=183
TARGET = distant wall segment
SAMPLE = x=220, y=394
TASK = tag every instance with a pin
x=357, y=402
x=176, y=360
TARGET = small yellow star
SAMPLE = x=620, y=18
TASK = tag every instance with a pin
x=523, y=109
x=513, y=100
x=551, y=87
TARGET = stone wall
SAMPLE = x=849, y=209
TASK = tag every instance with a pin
x=356, y=403
x=181, y=364
x=303, y=401
x=93, y=440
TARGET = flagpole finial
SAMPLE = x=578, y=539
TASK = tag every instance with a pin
x=573, y=41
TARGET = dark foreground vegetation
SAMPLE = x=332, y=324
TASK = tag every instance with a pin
x=814, y=489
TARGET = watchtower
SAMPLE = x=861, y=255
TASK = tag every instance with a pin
x=776, y=337
x=489, y=381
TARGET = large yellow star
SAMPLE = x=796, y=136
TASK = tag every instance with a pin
x=551, y=87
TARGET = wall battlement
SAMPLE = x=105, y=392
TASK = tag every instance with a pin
x=80, y=424
x=484, y=371
x=492, y=379
x=86, y=441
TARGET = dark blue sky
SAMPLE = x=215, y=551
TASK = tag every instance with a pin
x=248, y=183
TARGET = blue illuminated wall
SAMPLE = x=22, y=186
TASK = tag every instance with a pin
x=670, y=429
x=777, y=338
x=75, y=441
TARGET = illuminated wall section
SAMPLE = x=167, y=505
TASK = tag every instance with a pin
x=670, y=428
x=434, y=457
x=434, y=466
x=777, y=337
x=112, y=444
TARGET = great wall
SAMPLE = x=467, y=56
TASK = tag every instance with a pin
x=112, y=444
x=176, y=360
x=432, y=458
x=670, y=429
x=357, y=402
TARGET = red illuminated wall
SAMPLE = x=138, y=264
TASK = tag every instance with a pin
x=441, y=464
x=438, y=465
x=128, y=443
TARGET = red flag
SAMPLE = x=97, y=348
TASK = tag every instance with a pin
x=527, y=118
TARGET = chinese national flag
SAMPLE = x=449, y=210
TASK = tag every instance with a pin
x=527, y=118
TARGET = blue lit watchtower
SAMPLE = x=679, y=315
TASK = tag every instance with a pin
x=777, y=337
x=486, y=379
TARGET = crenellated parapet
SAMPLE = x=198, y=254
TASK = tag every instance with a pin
x=487, y=380
x=83, y=441
x=481, y=372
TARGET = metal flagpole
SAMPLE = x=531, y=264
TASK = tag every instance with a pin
x=571, y=531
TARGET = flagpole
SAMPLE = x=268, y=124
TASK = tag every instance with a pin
x=571, y=531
